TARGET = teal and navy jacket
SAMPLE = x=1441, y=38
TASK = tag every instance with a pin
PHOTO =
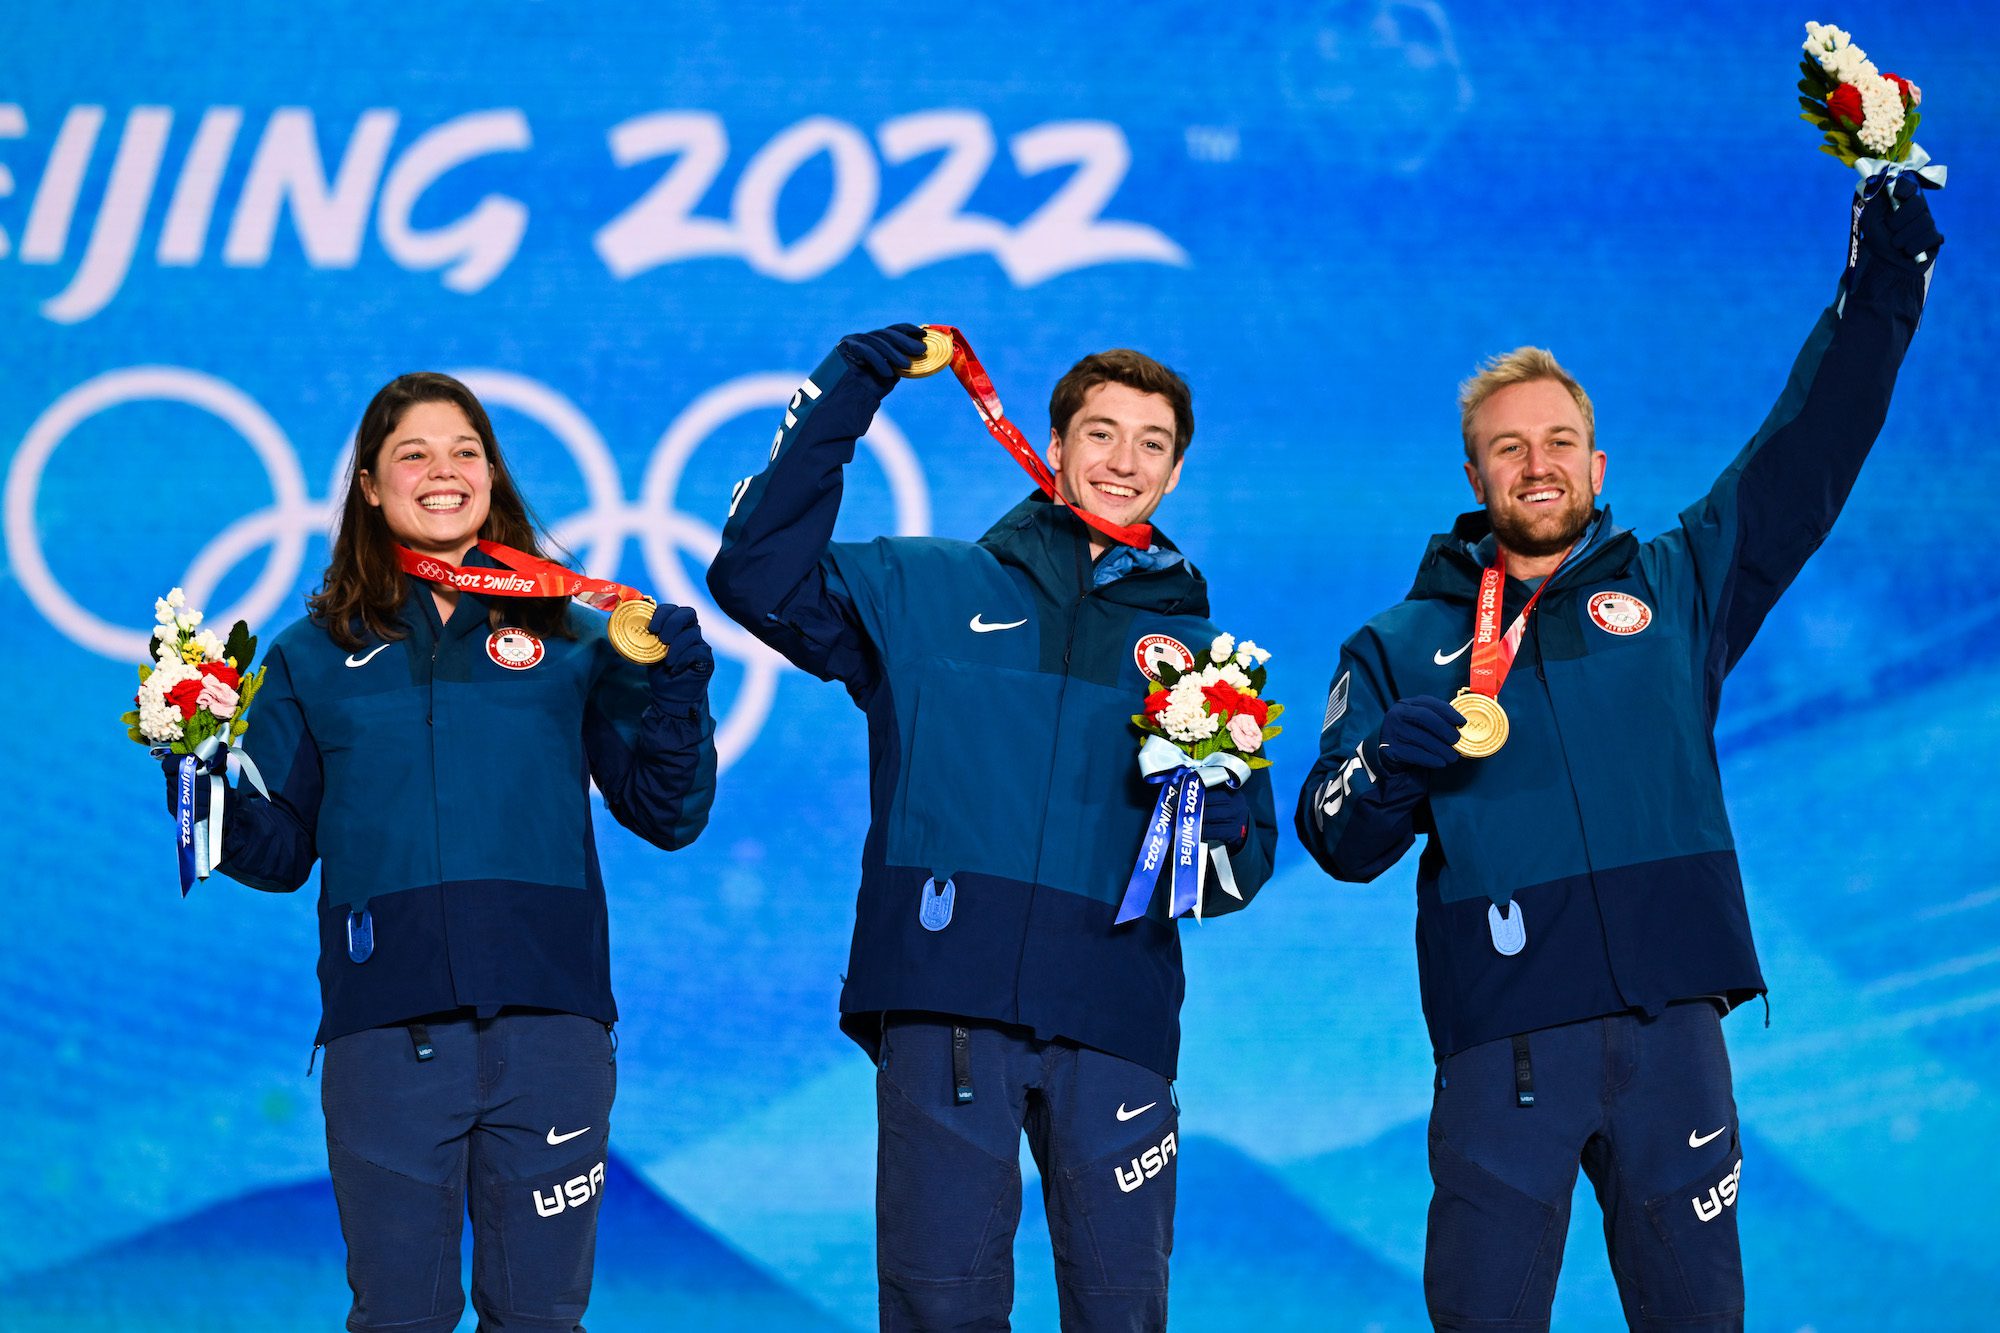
x=1599, y=829
x=999, y=678
x=448, y=797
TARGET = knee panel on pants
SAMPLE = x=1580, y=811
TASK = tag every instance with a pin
x=945, y=1207
x=1492, y=1253
x=402, y=1239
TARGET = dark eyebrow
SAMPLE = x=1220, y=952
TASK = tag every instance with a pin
x=418, y=439
x=1107, y=421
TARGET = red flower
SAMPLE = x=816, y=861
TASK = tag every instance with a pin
x=223, y=672
x=1254, y=708
x=186, y=696
x=1911, y=93
x=1156, y=704
x=1845, y=106
x=1223, y=699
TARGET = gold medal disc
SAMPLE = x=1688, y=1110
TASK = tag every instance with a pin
x=1485, y=729
x=629, y=635
x=937, y=355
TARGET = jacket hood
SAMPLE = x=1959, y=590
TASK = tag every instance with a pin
x=1452, y=561
x=1051, y=546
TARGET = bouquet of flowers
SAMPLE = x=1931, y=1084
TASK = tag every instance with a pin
x=1863, y=113
x=1204, y=726
x=190, y=703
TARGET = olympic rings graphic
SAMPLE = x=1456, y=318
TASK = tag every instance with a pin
x=597, y=534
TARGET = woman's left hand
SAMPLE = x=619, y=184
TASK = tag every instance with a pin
x=683, y=674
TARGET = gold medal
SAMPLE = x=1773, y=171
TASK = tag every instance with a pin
x=937, y=355
x=1485, y=729
x=629, y=635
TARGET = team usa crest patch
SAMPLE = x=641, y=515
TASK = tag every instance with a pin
x=1620, y=613
x=515, y=649
x=1156, y=649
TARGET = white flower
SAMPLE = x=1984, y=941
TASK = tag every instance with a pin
x=210, y=645
x=1881, y=114
x=1823, y=37
x=1186, y=718
x=163, y=612
x=187, y=619
x=176, y=598
x=1224, y=645
x=1249, y=654
x=1234, y=675
x=1848, y=65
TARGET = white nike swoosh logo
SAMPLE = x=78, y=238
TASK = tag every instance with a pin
x=363, y=660
x=1124, y=1114
x=1694, y=1142
x=981, y=627
x=555, y=1138
x=1443, y=658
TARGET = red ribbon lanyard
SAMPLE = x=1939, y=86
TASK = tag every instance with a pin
x=965, y=365
x=1492, y=652
x=525, y=576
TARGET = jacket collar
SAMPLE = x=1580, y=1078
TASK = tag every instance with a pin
x=420, y=611
x=1052, y=547
x=1453, y=560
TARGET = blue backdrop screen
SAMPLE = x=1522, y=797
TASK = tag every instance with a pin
x=633, y=229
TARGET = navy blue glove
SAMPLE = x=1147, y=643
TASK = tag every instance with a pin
x=1902, y=233
x=884, y=352
x=680, y=679
x=1417, y=733
x=1225, y=816
x=170, y=764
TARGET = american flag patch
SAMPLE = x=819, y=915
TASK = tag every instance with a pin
x=1336, y=702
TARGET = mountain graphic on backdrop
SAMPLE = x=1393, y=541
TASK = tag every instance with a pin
x=272, y=1260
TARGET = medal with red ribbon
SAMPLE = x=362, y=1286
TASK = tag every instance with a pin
x=945, y=345
x=527, y=575
x=1485, y=729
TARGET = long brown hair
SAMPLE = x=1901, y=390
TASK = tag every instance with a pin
x=362, y=591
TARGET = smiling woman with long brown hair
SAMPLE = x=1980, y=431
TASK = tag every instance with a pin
x=433, y=749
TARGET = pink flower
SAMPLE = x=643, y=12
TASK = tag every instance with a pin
x=218, y=697
x=1243, y=730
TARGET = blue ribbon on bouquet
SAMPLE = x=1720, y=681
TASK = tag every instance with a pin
x=1879, y=172
x=198, y=842
x=1175, y=829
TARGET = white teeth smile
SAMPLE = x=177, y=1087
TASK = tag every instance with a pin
x=1536, y=497
x=1121, y=492
x=442, y=504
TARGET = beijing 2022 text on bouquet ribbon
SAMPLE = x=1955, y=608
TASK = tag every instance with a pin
x=946, y=346
x=1868, y=118
x=530, y=576
x=1204, y=727
x=191, y=702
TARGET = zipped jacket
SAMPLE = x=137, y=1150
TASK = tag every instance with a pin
x=443, y=788
x=999, y=678
x=1598, y=832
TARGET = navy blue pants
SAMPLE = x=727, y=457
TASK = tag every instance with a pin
x=506, y=1121
x=1645, y=1106
x=948, y=1176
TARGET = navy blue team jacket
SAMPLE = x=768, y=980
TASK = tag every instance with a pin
x=1601, y=822
x=1002, y=759
x=449, y=795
